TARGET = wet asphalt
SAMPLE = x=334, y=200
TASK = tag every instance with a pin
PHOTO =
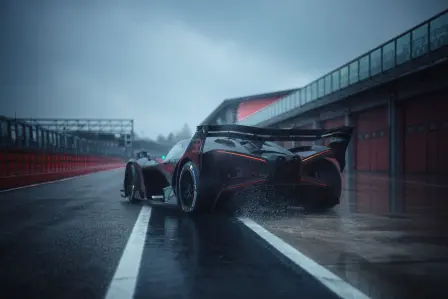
x=65, y=240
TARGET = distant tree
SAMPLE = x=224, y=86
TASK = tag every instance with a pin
x=161, y=139
x=174, y=137
x=185, y=132
x=171, y=138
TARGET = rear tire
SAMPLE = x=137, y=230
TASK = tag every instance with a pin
x=189, y=197
x=327, y=172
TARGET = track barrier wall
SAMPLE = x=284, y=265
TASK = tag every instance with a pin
x=24, y=167
x=30, y=154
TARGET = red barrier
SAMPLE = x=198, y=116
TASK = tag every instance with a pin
x=24, y=167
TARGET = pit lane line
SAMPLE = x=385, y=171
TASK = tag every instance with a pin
x=333, y=282
x=124, y=281
x=125, y=278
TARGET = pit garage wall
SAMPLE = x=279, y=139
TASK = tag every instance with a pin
x=421, y=139
x=418, y=144
x=421, y=136
x=372, y=141
x=426, y=134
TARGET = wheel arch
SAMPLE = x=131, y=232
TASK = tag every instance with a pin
x=126, y=177
x=141, y=183
x=176, y=173
x=329, y=166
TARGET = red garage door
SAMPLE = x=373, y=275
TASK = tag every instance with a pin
x=372, y=143
x=426, y=135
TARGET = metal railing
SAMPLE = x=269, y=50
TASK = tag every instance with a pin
x=416, y=42
x=24, y=136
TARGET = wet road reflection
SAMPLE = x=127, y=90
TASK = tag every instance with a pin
x=377, y=194
x=215, y=257
x=388, y=238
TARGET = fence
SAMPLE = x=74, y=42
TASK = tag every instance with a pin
x=30, y=154
x=14, y=134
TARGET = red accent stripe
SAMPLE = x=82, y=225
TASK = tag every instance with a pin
x=313, y=182
x=316, y=155
x=242, y=155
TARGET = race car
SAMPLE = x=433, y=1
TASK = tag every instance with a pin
x=221, y=162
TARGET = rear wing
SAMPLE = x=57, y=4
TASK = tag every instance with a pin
x=268, y=134
x=340, y=137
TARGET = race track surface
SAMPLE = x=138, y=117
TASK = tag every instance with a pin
x=66, y=240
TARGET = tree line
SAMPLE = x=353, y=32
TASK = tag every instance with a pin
x=174, y=137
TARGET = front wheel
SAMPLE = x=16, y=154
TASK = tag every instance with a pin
x=189, y=197
x=131, y=185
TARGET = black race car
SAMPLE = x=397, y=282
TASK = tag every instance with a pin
x=221, y=165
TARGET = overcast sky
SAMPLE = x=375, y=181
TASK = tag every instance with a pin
x=165, y=63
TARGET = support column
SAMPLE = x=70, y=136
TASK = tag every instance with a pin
x=317, y=124
x=348, y=201
x=287, y=144
x=294, y=126
x=393, y=138
x=396, y=202
x=350, y=153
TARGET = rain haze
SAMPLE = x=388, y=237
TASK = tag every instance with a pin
x=167, y=63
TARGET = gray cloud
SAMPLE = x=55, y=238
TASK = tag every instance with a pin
x=166, y=63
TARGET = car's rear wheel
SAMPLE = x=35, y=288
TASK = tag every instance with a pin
x=190, y=199
x=321, y=199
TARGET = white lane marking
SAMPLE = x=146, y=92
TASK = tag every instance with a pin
x=336, y=284
x=122, y=285
x=57, y=181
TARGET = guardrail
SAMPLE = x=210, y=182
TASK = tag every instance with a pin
x=415, y=43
